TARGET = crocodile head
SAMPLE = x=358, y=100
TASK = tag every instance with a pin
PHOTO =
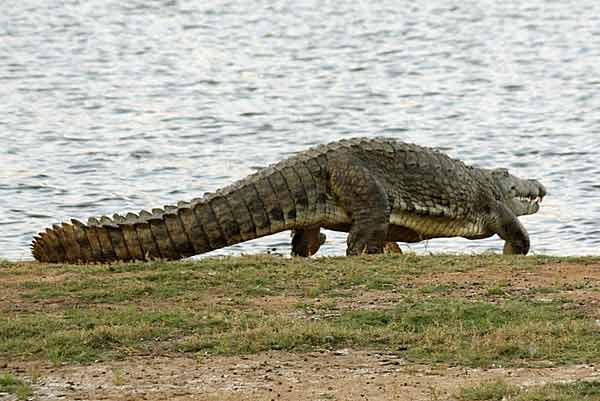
x=519, y=195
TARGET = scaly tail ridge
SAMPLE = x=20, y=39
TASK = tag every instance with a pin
x=245, y=211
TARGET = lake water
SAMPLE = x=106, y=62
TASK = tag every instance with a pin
x=111, y=106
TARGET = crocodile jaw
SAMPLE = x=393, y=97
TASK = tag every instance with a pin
x=520, y=195
x=523, y=205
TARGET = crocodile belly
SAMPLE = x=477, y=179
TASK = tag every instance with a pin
x=427, y=227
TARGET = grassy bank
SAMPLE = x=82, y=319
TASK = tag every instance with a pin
x=12, y=385
x=501, y=390
x=476, y=311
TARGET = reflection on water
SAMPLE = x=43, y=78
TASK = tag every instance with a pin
x=110, y=107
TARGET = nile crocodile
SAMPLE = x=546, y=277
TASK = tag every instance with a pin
x=377, y=190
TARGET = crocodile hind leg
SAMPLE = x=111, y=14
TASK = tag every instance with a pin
x=364, y=198
x=510, y=229
x=306, y=242
x=392, y=247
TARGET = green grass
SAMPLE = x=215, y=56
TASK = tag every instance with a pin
x=229, y=307
x=500, y=390
x=473, y=334
x=252, y=276
x=493, y=391
x=12, y=385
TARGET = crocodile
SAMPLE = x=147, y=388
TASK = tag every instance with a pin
x=378, y=190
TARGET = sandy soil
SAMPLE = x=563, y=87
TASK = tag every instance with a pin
x=343, y=375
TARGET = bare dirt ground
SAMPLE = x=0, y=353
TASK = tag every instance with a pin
x=344, y=375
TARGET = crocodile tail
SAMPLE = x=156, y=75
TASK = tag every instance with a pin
x=246, y=210
x=110, y=239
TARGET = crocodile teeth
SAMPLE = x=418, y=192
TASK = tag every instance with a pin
x=530, y=199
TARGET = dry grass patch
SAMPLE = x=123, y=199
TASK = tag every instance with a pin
x=500, y=390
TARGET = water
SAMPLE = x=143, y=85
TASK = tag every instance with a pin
x=112, y=106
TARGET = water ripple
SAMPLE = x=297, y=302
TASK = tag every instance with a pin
x=126, y=106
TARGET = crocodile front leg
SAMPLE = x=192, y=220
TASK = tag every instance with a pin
x=510, y=229
x=365, y=200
